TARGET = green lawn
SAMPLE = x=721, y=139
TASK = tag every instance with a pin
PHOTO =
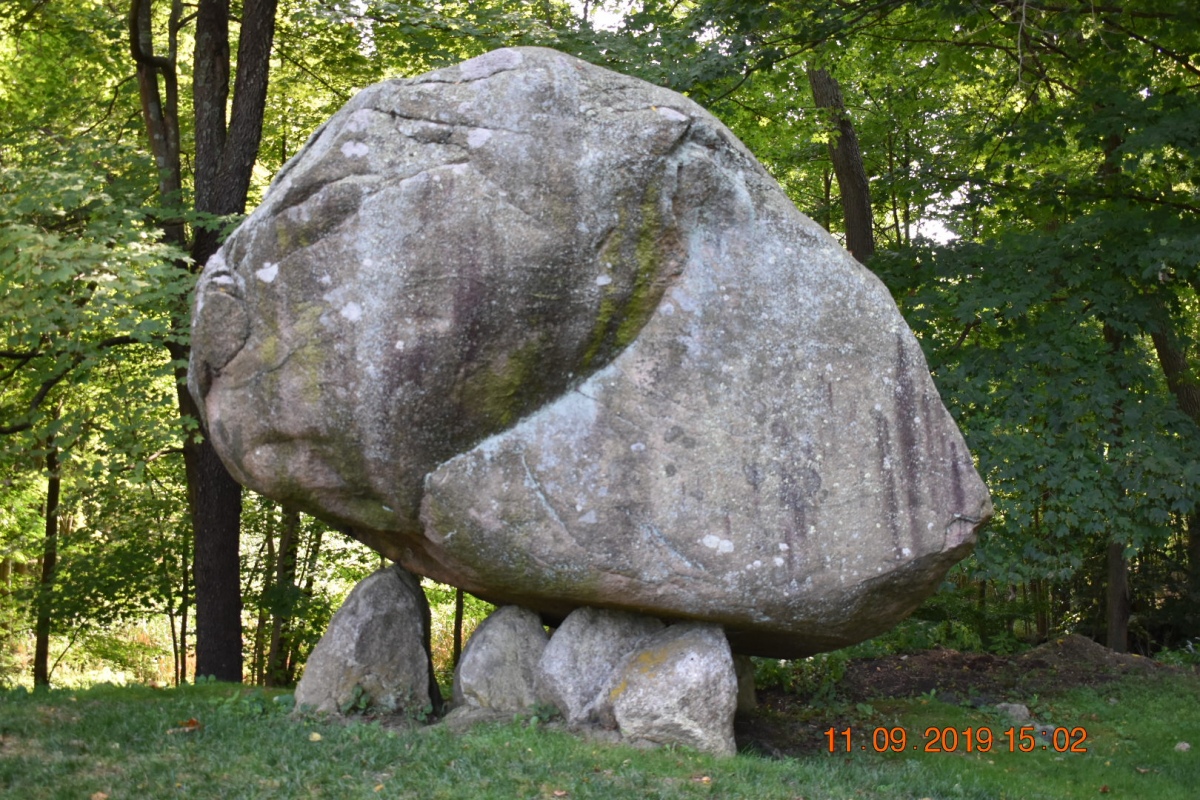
x=111, y=742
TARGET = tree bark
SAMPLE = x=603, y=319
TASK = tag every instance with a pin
x=1116, y=611
x=310, y=572
x=216, y=506
x=160, y=118
x=285, y=582
x=184, y=606
x=41, y=648
x=225, y=155
x=225, y=158
x=1184, y=385
x=458, y=626
x=1117, y=601
x=848, y=165
x=258, y=664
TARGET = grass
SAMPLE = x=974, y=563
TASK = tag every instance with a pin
x=110, y=742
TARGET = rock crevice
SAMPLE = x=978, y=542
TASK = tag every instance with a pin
x=604, y=363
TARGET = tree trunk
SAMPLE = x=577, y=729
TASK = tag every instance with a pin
x=160, y=115
x=185, y=585
x=216, y=506
x=258, y=667
x=223, y=164
x=1117, y=605
x=310, y=571
x=41, y=648
x=225, y=157
x=458, y=622
x=848, y=165
x=285, y=582
x=1185, y=387
x=1041, y=605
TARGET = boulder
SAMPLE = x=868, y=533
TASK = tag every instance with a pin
x=747, y=697
x=551, y=334
x=498, y=666
x=578, y=667
x=375, y=654
x=679, y=687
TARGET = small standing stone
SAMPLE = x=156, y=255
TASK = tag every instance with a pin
x=747, y=699
x=1017, y=712
x=499, y=664
x=375, y=654
x=576, y=670
x=679, y=687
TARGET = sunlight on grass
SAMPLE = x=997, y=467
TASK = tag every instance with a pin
x=140, y=742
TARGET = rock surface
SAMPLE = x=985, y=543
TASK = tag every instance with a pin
x=498, y=667
x=679, y=687
x=551, y=334
x=578, y=667
x=747, y=696
x=375, y=654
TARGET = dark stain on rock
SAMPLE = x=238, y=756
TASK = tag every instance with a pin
x=799, y=487
x=962, y=469
x=909, y=430
x=887, y=471
x=753, y=474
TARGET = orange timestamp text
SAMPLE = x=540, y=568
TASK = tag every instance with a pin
x=954, y=740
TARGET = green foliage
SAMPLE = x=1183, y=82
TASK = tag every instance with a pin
x=83, y=282
x=87, y=295
x=359, y=701
x=327, y=567
x=441, y=607
x=64, y=73
x=1185, y=656
x=815, y=678
x=1056, y=146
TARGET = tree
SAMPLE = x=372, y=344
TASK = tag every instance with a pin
x=84, y=307
x=225, y=154
x=848, y=166
x=1078, y=253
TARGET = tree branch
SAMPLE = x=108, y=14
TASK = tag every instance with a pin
x=295, y=62
x=1178, y=58
x=111, y=104
x=138, y=38
x=48, y=384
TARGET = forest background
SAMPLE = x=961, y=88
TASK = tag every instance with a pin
x=1023, y=175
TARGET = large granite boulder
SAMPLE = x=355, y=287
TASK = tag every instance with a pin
x=551, y=334
x=375, y=655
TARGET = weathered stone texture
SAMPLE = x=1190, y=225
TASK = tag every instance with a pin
x=551, y=334
x=577, y=668
x=378, y=644
x=498, y=667
x=679, y=687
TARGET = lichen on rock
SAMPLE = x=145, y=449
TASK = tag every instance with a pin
x=551, y=334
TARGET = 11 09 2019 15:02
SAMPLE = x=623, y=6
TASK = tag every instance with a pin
x=954, y=740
